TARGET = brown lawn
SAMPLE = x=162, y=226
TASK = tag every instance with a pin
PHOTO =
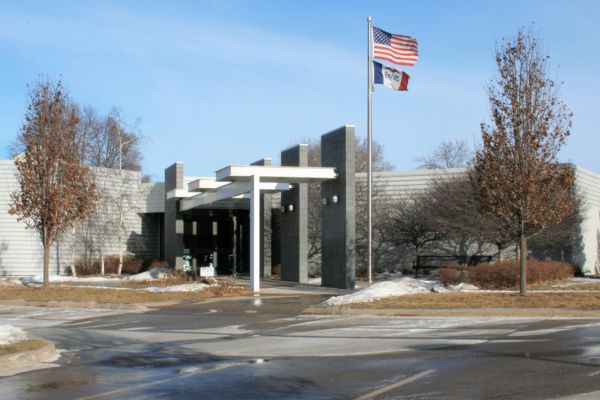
x=87, y=294
x=580, y=300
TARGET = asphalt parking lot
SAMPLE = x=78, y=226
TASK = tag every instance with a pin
x=264, y=348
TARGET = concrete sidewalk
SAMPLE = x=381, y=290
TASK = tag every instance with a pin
x=278, y=287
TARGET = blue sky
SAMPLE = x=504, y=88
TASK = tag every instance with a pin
x=228, y=82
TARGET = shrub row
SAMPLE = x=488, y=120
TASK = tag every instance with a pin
x=131, y=265
x=505, y=274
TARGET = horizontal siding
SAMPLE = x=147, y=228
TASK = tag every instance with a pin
x=390, y=184
x=21, y=250
x=588, y=185
x=155, y=197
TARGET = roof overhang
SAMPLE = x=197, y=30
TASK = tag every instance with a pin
x=232, y=184
x=276, y=173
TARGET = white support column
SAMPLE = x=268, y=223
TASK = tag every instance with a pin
x=255, y=235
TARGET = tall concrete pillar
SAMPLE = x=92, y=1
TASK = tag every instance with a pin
x=338, y=256
x=173, y=226
x=265, y=227
x=294, y=223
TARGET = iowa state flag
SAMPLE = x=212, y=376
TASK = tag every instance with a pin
x=390, y=77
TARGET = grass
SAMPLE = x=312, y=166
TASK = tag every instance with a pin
x=87, y=294
x=581, y=301
x=19, y=347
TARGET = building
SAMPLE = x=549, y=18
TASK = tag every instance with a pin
x=226, y=219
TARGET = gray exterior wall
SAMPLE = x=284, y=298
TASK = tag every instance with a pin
x=587, y=183
x=21, y=252
x=338, y=238
x=294, y=224
x=588, y=186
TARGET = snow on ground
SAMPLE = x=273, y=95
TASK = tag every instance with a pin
x=152, y=274
x=9, y=281
x=393, y=288
x=10, y=334
x=39, y=279
x=576, y=281
x=187, y=287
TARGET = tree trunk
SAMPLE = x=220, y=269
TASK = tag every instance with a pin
x=501, y=255
x=73, y=271
x=120, y=239
x=102, y=271
x=46, y=264
x=523, y=263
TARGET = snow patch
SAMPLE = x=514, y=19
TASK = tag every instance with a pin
x=463, y=287
x=11, y=334
x=5, y=281
x=188, y=287
x=397, y=287
x=39, y=279
x=152, y=274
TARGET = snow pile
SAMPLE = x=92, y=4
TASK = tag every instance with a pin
x=152, y=274
x=381, y=290
x=10, y=282
x=187, y=287
x=39, y=279
x=463, y=287
x=10, y=334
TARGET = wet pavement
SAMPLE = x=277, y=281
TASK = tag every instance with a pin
x=262, y=348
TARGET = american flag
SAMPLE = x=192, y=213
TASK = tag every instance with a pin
x=399, y=49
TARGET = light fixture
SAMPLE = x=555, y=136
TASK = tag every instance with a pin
x=282, y=209
x=324, y=201
x=334, y=199
x=291, y=208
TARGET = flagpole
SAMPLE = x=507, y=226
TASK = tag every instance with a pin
x=369, y=150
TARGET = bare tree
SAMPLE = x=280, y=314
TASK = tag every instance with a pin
x=411, y=223
x=559, y=241
x=111, y=148
x=56, y=189
x=521, y=184
x=448, y=154
x=106, y=142
x=452, y=205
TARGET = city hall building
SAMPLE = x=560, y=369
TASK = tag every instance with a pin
x=227, y=219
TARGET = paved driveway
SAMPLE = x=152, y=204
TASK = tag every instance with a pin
x=262, y=348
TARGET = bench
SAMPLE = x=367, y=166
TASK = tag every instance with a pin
x=429, y=262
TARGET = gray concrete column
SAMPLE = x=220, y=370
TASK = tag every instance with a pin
x=173, y=226
x=294, y=224
x=265, y=227
x=338, y=256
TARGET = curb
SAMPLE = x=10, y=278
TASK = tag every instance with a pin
x=82, y=304
x=456, y=312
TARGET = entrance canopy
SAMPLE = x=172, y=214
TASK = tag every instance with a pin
x=234, y=185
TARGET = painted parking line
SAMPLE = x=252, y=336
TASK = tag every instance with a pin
x=403, y=382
